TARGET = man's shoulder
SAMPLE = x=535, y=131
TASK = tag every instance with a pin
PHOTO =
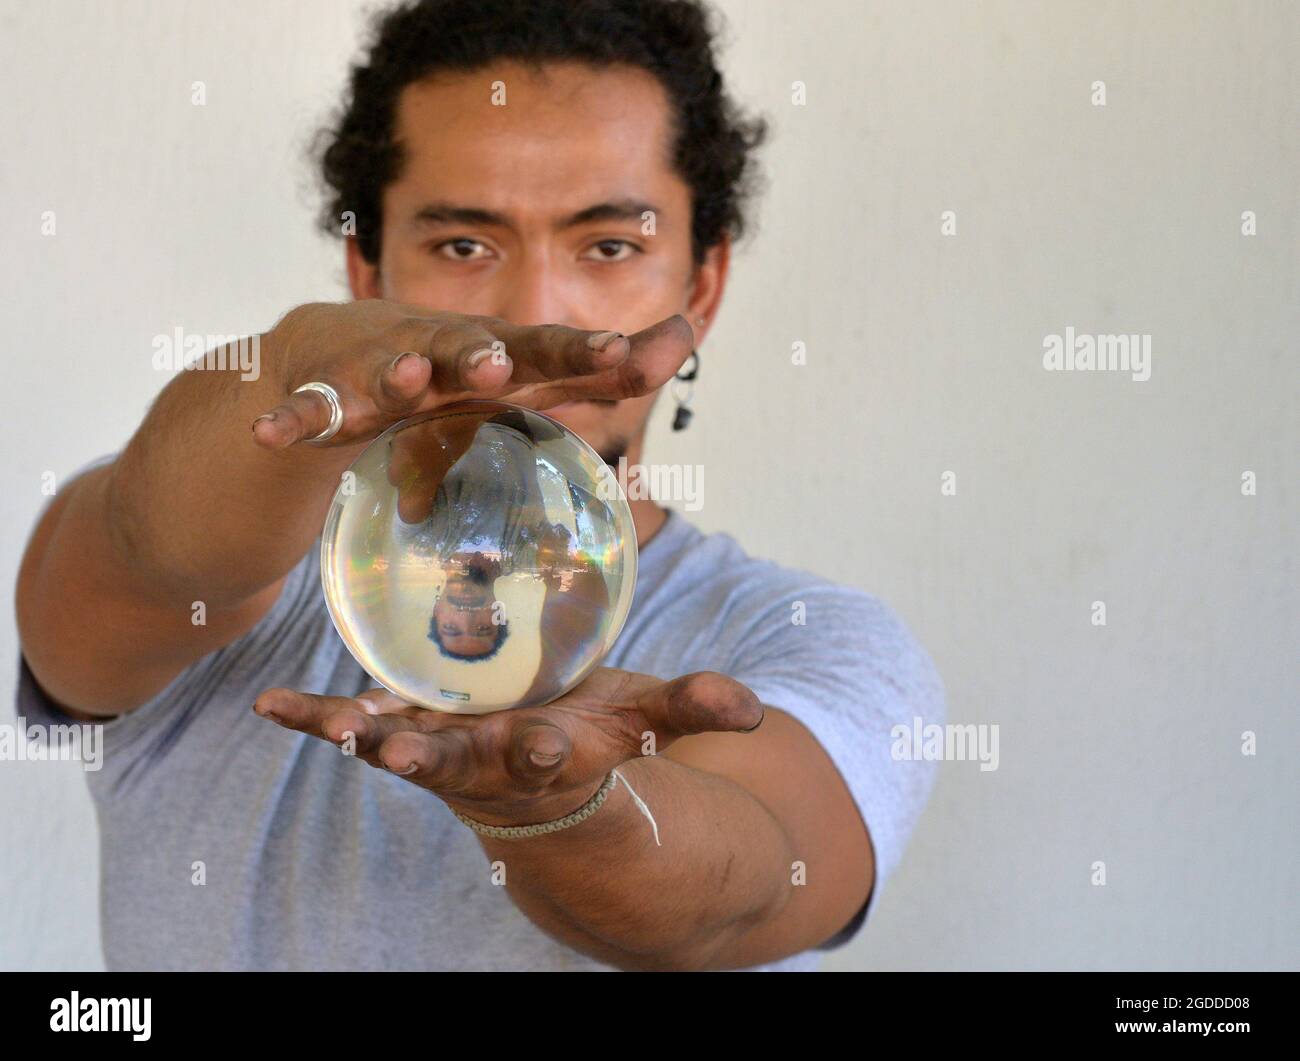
x=758, y=614
x=722, y=567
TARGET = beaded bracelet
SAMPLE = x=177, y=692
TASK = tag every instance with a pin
x=520, y=832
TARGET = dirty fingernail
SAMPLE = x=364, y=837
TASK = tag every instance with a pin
x=602, y=339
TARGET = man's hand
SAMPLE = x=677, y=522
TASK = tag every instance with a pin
x=388, y=361
x=528, y=765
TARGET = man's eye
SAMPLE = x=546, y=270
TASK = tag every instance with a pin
x=614, y=250
x=461, y=250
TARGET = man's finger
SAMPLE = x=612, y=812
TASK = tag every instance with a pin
x=537, y=752
x=302, y=415
x=468, y=357
x=442, y=760
x=553, y=351
x=308, y=712
x=656, y=354
x=400, y=385
x=703, y=702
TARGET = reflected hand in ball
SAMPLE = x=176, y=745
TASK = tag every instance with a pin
x=478, y=558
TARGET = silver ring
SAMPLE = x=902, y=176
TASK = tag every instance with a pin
x=336, y=409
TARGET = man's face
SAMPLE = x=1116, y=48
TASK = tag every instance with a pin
x=465, y=630
x=463, y=612
x=487, y=216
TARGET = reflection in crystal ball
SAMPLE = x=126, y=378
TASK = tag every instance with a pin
x=478, y=558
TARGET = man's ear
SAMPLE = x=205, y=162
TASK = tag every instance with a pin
x=363, y=276
x=707, y=285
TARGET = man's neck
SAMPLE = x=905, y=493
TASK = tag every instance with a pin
x=647, y=516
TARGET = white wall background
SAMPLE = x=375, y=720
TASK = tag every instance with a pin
x=1119, y=744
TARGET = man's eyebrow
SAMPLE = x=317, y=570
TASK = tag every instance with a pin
x=617, y=210
x=454, y=214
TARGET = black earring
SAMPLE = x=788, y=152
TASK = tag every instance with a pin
x=683, y=388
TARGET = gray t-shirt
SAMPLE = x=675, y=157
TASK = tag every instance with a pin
x=315, y=860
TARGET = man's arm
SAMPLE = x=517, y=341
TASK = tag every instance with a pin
x=736, y=808
x=735, y=813
x=110, y=578
x=198, y=509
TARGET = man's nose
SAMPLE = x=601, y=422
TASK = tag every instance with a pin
x=534, y=294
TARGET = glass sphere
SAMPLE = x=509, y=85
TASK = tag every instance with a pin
x=479, y=557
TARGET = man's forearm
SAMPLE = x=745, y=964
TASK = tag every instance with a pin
x=195, y=507
x=605, y=888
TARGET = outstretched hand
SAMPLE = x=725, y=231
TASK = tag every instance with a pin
x=529, y=764
x=388, y=361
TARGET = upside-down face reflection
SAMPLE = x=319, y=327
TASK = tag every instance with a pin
x=464, y=622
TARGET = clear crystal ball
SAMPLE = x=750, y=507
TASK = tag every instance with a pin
x=478, y=558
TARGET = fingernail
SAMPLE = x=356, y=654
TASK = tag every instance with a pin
x=541, y=759
x=409, y=770
x=264, y=416
x=602, y=339
x=400, y=358
x=756, y=724
x=479, y=356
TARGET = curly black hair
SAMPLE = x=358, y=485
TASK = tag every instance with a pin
x=672, y=39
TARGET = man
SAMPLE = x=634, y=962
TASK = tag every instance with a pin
x=235, y=832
